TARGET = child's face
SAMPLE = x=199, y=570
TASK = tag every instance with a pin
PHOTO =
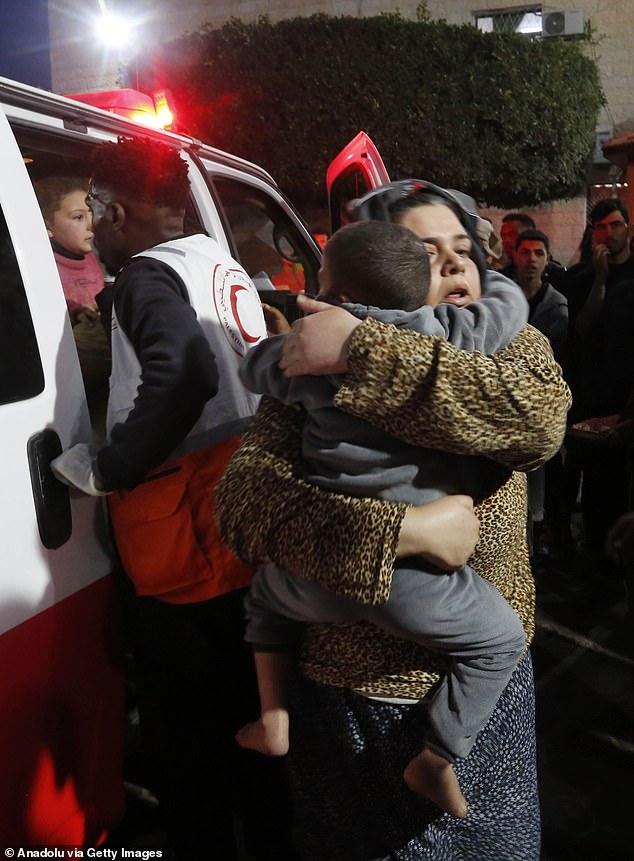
x=71, y=224
x=454, y=276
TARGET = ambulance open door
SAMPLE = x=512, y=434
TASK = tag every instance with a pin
x=358, y=168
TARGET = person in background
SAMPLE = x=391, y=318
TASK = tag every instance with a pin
x=582, y=257
x=600, y=371
x=513, y=223
x=548, y=312
x=612, y=263
x=175, y=413
x=548, y=308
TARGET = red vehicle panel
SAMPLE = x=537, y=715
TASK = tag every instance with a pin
x=356, y=169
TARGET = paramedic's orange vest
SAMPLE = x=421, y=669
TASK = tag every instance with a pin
x=166, y=534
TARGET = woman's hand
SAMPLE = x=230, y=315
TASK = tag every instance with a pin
x=445, y=532
x=318, y=343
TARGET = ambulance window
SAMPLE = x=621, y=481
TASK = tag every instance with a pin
x=21, y=374
x=267, y=242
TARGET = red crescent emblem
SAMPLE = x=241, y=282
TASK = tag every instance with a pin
x=235, y=289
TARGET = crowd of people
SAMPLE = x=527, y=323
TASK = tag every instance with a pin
x=587, y=313
x=357, y=499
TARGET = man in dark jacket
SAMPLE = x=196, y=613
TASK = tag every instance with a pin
x=548, y=312
x=600, y=363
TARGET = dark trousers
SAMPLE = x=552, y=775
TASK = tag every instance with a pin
x=196, y=687
x=605, y=476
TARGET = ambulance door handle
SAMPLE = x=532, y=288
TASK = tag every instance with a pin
x=51, y=497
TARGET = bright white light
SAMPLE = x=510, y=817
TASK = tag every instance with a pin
x=530, y=23
x=114, y=30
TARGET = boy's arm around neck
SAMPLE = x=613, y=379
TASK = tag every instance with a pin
x=260, y=373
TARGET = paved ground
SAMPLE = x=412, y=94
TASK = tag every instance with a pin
x=584, y=665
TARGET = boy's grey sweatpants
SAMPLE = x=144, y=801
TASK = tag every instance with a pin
x=456, y=613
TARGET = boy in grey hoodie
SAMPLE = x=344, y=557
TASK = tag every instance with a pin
x=386, y=267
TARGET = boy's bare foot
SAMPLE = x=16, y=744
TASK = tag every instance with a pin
x=268, y=735
x=433, y=777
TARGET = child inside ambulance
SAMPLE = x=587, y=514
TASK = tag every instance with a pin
x=68, y=221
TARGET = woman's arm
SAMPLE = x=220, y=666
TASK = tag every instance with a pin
x=510, y=407
x=347, y=544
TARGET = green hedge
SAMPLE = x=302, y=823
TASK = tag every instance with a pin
x=509, y=119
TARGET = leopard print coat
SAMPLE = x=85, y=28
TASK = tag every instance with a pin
x=510, y=407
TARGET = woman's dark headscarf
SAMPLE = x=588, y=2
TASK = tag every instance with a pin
x=383, y=203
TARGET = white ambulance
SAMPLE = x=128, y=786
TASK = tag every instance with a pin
x=61, y=676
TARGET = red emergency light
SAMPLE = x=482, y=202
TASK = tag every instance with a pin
x=154, y=111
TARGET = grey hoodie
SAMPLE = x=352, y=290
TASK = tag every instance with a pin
x=347, y=455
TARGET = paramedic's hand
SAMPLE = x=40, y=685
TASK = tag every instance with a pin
x=318, y=343
x=445, y=532
x=605, y=430
x=74, y=468
x=276, y=322
x=602, y=424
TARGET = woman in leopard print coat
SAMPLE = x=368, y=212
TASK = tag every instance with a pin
x=348, y=748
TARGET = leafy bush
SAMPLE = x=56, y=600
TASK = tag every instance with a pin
x=509, y=119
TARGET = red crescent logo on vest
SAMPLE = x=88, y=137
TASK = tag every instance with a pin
x=235, y=289
x=238, y=307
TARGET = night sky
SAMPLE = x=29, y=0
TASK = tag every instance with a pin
x=24, y=42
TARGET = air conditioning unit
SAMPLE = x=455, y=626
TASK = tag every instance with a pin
x=567, y=22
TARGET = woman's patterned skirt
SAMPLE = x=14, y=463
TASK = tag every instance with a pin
x=347, y=756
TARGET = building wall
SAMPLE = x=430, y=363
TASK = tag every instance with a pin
x=612, y=23
x=80, y=64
